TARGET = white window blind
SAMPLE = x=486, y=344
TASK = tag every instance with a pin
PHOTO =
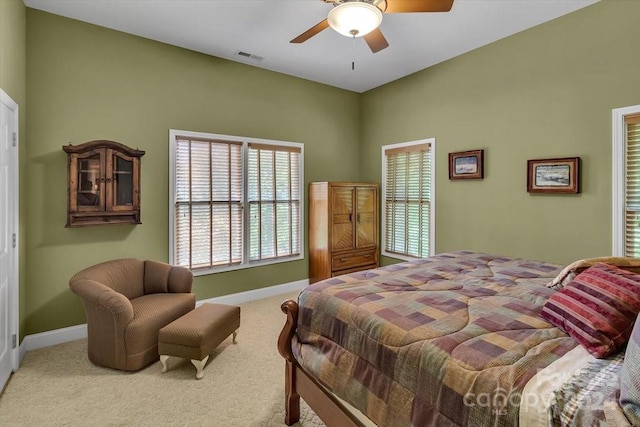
x=236, y=202
x=408, y=199
x=632, y=186
x=274, y=201
x=208, y=229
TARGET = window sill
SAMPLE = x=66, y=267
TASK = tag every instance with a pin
x=398, y=256
x=208, y=271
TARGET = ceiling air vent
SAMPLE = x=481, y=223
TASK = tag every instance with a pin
x=251, y=56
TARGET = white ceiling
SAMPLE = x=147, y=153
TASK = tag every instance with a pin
x=263, y=28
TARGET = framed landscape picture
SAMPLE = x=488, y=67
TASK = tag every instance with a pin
x=466, y=165
x=553, y=175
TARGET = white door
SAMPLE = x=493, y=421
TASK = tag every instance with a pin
x=8, y=236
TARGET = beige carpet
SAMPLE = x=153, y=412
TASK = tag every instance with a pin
x=243, y=385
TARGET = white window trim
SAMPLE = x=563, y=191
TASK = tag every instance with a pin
x=245, y=237
x=618, y=180
x=432, y=222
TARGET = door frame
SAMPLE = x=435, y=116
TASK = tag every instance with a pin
x=14, y=290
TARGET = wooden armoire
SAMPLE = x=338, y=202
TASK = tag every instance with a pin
x=343, y=228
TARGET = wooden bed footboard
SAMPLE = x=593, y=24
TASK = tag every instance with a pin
x=299, y=383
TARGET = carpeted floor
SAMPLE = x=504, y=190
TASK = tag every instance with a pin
x=243, y=385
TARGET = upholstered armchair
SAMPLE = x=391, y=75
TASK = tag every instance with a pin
x=126, y=303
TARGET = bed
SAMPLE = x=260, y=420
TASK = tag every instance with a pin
x=452, y=340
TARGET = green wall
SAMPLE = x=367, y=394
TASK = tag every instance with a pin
x=543, y=93
x=13, y=80
x=546, y=92
x=87, y=82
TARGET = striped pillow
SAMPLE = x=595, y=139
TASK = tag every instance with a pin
x=597, y=309
x=630, y=378
x=572, y=270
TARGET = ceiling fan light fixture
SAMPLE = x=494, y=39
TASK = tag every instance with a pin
x=354, y=18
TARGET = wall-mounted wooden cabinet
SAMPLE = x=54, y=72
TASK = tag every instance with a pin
x=343, y=228
x=103, y=184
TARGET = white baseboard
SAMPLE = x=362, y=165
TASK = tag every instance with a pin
x=72, y=333
x=255, y=294
x=57, y=336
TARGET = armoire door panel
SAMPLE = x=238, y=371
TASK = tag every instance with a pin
x=366, y=224
x=367, y=200
x=342, y=218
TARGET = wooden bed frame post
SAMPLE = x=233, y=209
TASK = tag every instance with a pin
x=292, y=398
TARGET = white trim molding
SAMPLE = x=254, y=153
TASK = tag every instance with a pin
x=618, y=148
x=383, y=211
x=72, y=333
x=256, y=294
x=49, y=338
x=13, y=316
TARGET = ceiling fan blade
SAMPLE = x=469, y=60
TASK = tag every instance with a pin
x=408, y=6
x=311, y=32
x=376, y=40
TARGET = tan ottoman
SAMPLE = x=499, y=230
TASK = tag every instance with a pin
x=196, y=334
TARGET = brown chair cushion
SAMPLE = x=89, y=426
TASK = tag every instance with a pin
x=124, y=276
x=156, y=277
x=180, y=280
x=153, y=312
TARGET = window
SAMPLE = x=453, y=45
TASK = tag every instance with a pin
x=408, y=195
x=235, y=202
x=626, y=181
x=274, y=201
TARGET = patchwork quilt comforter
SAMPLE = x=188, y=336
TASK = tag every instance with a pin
x=442, y=341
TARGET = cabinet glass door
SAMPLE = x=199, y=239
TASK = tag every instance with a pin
x=122, y=181
x=88, y=188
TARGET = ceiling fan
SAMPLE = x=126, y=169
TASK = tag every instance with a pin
x=361, y=18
